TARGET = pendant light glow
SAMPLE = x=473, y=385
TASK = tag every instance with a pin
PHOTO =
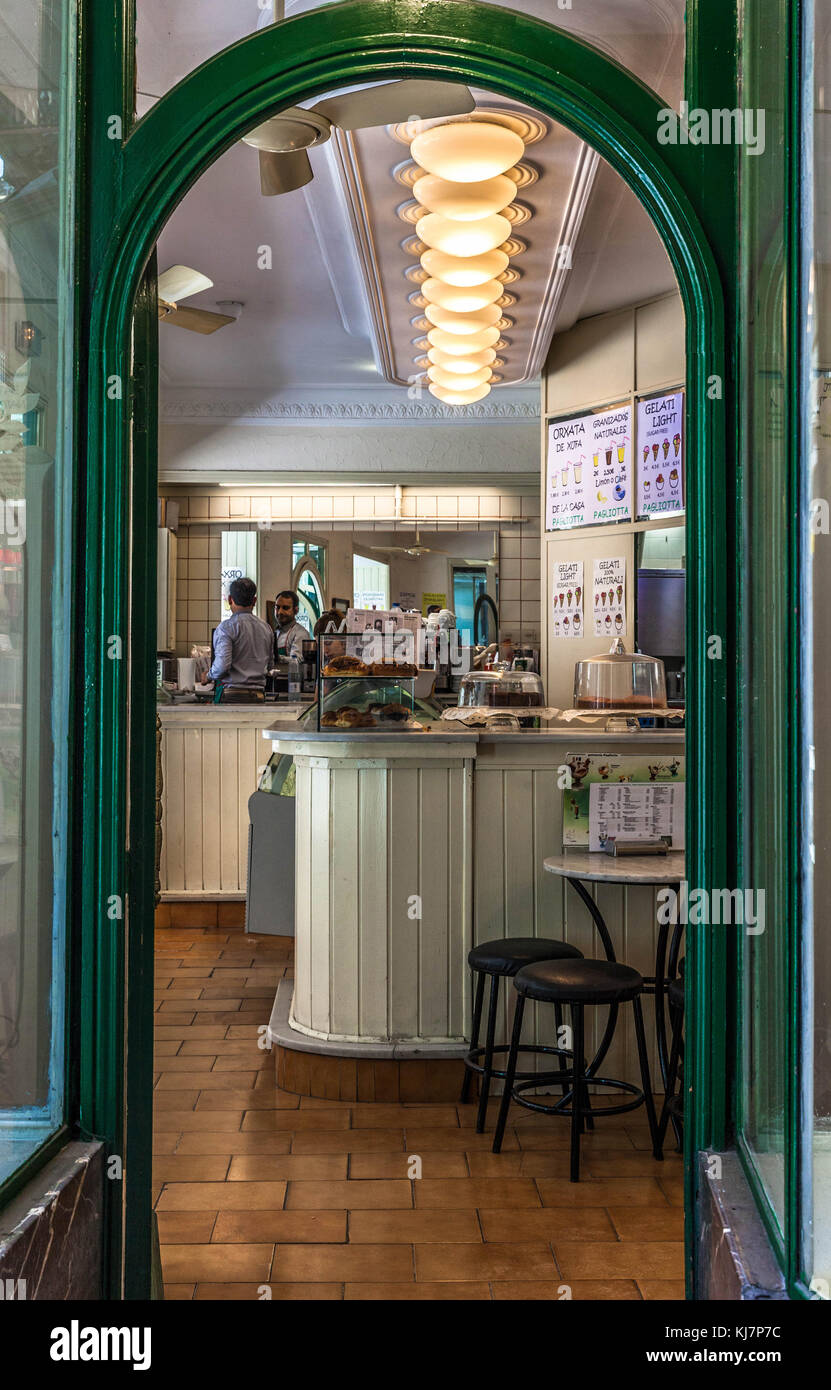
x=463, y=325
x=443, y=393
x=454, y=382
x=462, y=301
x=464, y=202
x=458, y=346
x=467, y=151
x=461, y=366
x=463, y=238
x=464, y=270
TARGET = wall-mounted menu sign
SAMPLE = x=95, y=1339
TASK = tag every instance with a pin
x=661, y=455
x=568, y=598
x=609, y=599
x=588, y=476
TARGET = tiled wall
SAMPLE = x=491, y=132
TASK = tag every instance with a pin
x=205, y=512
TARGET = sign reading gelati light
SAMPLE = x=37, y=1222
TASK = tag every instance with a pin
x=611, y=489
x=568, y=598
x=589, y=469
x=569, y=446
x=661, y=455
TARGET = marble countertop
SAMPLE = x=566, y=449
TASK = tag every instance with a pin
x=455, y=731
x=630, y=868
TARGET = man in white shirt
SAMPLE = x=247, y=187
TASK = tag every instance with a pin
x=289, y=633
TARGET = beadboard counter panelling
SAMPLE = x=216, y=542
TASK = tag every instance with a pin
x=211, y=762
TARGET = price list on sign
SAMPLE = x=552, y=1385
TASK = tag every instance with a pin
x=661, y=455
x=589, y=469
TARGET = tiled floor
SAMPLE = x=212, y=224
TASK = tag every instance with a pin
x=263, y=1193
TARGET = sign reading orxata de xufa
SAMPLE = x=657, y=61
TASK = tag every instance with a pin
x=589, y=469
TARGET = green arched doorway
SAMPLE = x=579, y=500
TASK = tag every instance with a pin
x=138, y=182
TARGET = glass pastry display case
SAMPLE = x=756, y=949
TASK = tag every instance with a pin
x=620, y=680
x=504, y=695
x=364, y=682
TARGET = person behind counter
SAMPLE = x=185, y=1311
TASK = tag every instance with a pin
x=289, y=633
x=243, y=646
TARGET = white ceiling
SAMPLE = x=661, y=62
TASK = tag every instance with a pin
x=306, y=323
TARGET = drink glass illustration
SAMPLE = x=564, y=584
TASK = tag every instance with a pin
x=621, y=454
x=608, y=458
x=596, y=461
x=564, y=472
x=578, y=472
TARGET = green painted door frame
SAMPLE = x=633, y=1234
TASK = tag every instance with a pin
x=139, y=174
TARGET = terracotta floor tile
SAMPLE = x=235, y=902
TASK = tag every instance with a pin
x=439, y=1139
x=205, y=1031
x=531, y=1164
x=341, y=1263
x=209, y=1081
x=455, y=1193
x=236, y=1029
x=174, y=1293
x=258, y=1121
x=280, y=1293
x=234, y=1143
x=557, y=1136
x=175, y=1017
x=623, y=1192
x=283, y=1227
x=299, y=1167
x=169, y=1065
x=659, y=1223
x=349, y=1195
x=399, y=1165
x=623, y=1165
x=193, y=972
x=165, y=1143
x=375, y=1116
x=167, y=1048
x=620, y=1260
x=451, y=1291
x=491, y=1262
x=547, y=1224
x=175, y=1100
x=246, y=1099
x=186, y=1227
x=230, y=1264
x=348, y=1141
x=581, y=1291
x=184, y=1120
x=257, y=1060
x=180, y=989
x=662, y=1290
x=413, y=1227
x=190, y=1168
x=223, y=1196
x=222, y=1047
x=673, y=1191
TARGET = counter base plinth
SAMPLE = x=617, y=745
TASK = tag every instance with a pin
x=372, y=1071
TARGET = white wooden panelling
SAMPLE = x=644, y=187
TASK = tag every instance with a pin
x=211, y=761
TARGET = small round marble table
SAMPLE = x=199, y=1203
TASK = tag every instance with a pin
x=657, y=870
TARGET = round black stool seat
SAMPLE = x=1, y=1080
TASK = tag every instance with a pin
x=508, y=956
x=579, y=982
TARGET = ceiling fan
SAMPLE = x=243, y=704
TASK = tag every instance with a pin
x=180, y=282
x=414, y=551
x=283, y=140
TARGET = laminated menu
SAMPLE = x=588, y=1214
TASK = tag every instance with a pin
x=661, y=461
x=631, y=811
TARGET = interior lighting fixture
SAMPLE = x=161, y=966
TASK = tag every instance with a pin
x=458, y=346
x=463, y=238
x=467, y=151
x=464, y=270
x=449, y=397
x=461, y=366
x=459, y=383
x=463, y=325
x=465, y=202
x=462, y=301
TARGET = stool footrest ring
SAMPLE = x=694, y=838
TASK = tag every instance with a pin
x=537, y=1048
x=564, y=1108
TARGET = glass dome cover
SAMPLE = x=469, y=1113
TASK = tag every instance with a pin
x=503, y=690
x=618, y=679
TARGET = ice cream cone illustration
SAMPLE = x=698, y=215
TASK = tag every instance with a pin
x=603, y=597
x=596, y=599
x=620, y=593
x=659, y=482
x=655, y=452
x=676, y=444
x=665, y=447
x=618, y=622
x=562, y=598
x=577, y=593
x=568, y=597
x=645, y=452
x=673, y=478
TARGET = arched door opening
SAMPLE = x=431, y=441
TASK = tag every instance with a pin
x=537, y=66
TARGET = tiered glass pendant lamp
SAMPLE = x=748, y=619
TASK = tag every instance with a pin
x=464, y=191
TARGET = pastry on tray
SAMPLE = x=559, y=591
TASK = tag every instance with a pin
x=395, y=670
x=345, y=666
x=349, y=718
x=329, y=720
x=395, y=714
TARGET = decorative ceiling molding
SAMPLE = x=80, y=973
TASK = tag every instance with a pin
x=508, y=409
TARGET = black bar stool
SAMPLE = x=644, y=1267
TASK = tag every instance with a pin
x=578, y=983
x=498, y=959
x=673, y=1107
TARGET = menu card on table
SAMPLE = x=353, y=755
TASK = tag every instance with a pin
x=628, y=811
